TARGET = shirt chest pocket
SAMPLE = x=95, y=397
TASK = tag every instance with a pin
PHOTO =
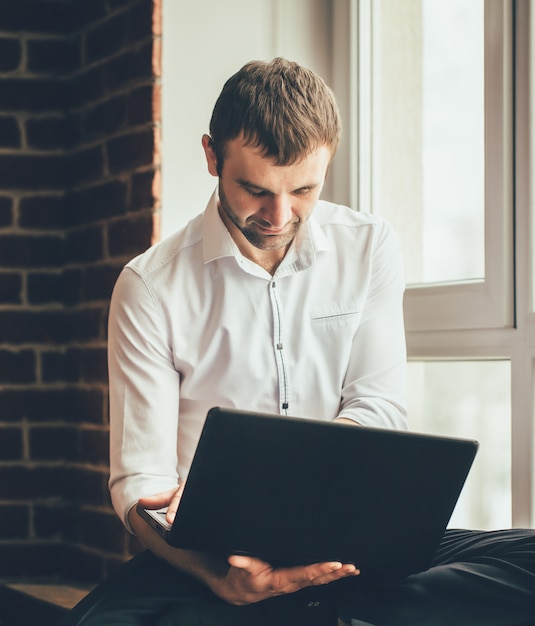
x=345, y=318
x=331, y=336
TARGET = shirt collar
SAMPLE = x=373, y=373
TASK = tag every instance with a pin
x=218, y=243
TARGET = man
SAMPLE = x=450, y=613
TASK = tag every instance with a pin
x=274, y=301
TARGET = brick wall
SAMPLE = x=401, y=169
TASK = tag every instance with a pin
x=79, y=187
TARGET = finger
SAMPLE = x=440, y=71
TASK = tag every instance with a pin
x=249, y=564
x=157, y=500
x=313, y=571
x=173, y=505
x=295, y=578
x=329, y=577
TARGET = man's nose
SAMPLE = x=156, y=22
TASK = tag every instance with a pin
x=279, y=211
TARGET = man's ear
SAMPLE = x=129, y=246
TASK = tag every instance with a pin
x=211, y=160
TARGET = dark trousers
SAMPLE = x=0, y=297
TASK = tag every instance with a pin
x=476, y=579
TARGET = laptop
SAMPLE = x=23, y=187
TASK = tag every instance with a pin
x=296, y=491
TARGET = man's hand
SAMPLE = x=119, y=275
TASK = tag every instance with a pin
x=169, y=499
x=243, y=580
x=345, y=420
x=250, y=580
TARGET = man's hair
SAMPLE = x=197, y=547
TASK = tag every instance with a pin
x=282, y=108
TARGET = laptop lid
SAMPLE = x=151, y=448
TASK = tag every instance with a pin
x=296, y=491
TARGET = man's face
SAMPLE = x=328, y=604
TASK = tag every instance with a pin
x=264, y=205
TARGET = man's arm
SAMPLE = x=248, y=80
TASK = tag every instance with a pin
x=240, y=580
x=144, y=396
x=373, y=392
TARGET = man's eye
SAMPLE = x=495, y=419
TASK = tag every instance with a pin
x=302, y=192
x=255, y=194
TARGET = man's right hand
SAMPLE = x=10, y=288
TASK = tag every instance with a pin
x=250, y=580
x=243, y=579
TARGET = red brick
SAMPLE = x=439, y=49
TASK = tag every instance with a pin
x=156, y=61
x=142, y=195
x=53, y=443
x=9, y=131
x=45, y=212
x=10, y=54
x=6, y=211
x=72, y=285
x=93, y=364
x=45, y=287
x=53, y=520
x=59, y=366
x=53, y=56
x=54, y=16
x=106, y=117
x=11, y=443
x=141, y=105
x=97, y=202
x=157, y=102
x=84, y=245
x=27, y=326
x=130, y=236
x=87, y=12
x=87, y=365
x=18, y=482
x=74, y=128
x=130, y=151
x=157, y=17
x=10, y=288
x=94, y=446
x=46, y=133
x=14, y=521
x=118, y=4
x=140, y=24
x=73, y=365
x=129, y=66
x=98, y=281
x=32, y=404
x=31, y=251
x=85, y=165
x=85, y=324
x=89, y=486
x=42, y=405
x=32, y=94
x=17, y=366
x=106, y=39
x=32, y=172
x=86, y=87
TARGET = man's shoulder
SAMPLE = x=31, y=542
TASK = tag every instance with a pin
x=168, y=251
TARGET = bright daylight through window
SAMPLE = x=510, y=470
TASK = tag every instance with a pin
x=425, y=116
x=428, y=105
x=470, y=399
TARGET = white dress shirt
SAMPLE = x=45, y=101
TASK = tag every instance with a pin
x=194, y=324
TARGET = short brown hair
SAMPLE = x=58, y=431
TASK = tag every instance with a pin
x=279, y=106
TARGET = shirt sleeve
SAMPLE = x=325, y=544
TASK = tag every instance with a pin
x=144, y=396
x=373, y=393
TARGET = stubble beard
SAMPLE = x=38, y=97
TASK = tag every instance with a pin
x=258, y=239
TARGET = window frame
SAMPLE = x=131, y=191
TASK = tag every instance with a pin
x=491, y=318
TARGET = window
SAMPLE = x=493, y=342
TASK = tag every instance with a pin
x=428, y=97
x=438, y=114
x=470, y=399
